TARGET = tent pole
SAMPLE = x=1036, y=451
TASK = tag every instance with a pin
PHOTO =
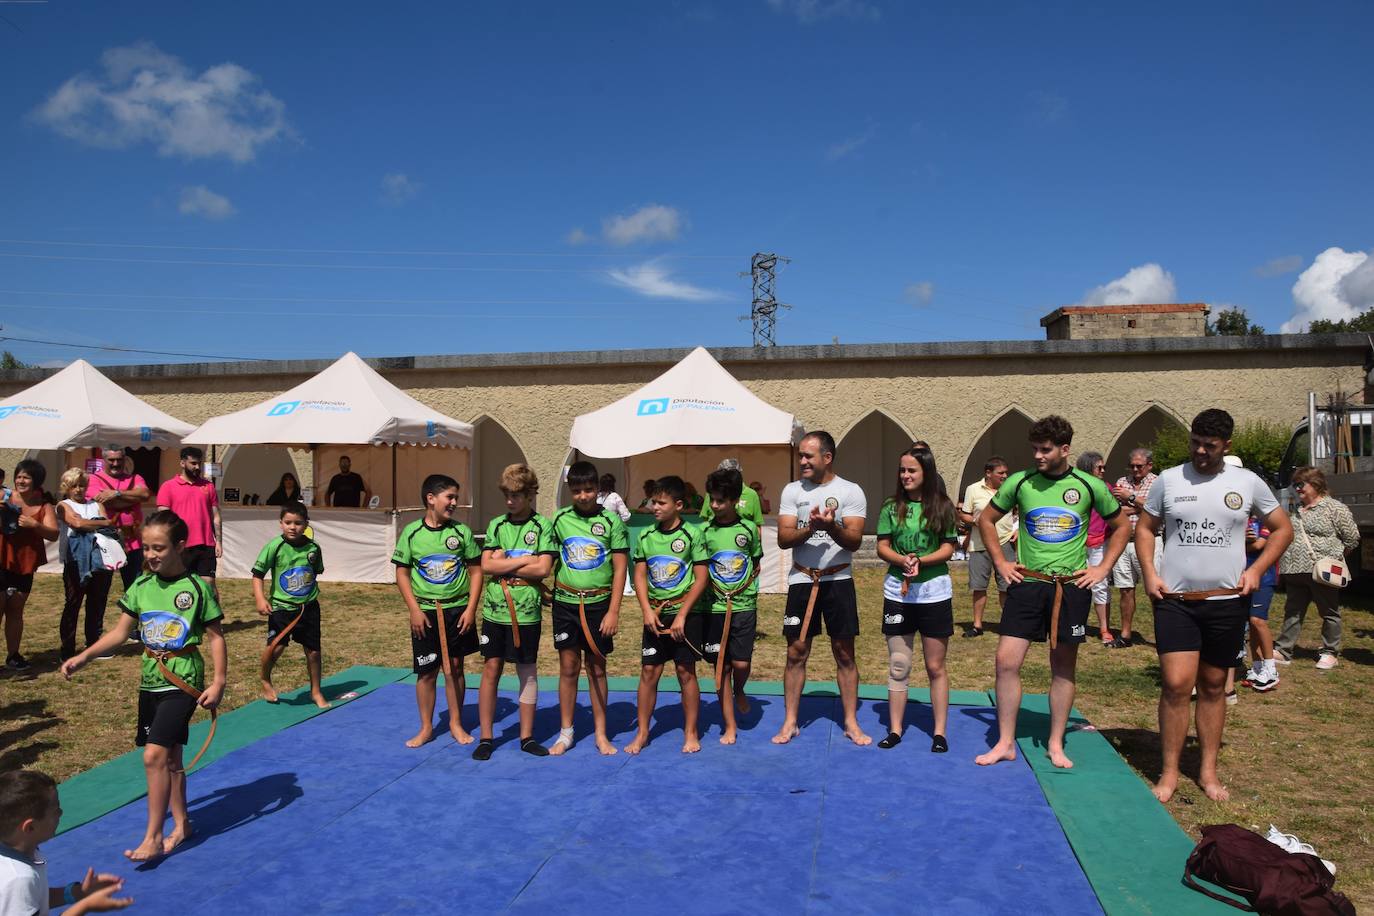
x=393, y=477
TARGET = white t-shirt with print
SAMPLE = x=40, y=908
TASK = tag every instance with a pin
x=820, y=550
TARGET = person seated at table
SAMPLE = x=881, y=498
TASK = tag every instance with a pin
x=346, y=489
x=288, y=491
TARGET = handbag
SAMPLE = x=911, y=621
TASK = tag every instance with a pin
x=1331, y=571
x=111, y=551
x=1271, y=879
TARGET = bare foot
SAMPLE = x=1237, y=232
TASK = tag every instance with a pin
x=640, y=742
x=558, y=748
x=423, y=737
x=1164, y=789
x=459, y=734
x=178, y=836
x=1214, y=790
x=996, y=754
x=856, y=734
x=742, y=705
x=691, y=744
x=269, y=693
x=605, y=747
x=1059, y=758
x=149, y=849
x=320, y=701
x=727, y=736
x=786, y=733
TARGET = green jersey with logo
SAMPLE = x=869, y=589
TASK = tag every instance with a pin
x=748, y=507
x=293, y=568
x=733, y=553
x=438, y=560
x=532, y=536
x=585, y=544
x=1053, y=515
x=171, y=614
x=911, y=535
x=668, y=557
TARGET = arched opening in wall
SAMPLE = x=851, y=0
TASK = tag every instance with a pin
x=1006, y=436
x=253, y=472
x=1139, y=433
x=867, y=455
x=613, y=466
x=493, y=448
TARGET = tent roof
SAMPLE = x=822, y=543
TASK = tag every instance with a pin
x=348, y=403
x=78, y=407
x=696, y=402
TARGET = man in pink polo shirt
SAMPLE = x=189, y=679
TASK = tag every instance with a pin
x=122, y=492
x=193, y=497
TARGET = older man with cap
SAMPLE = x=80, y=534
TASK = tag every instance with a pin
x=748, y=506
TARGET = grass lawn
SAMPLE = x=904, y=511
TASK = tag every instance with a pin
x=1299, y=757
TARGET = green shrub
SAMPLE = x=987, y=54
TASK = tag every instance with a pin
x=1259, y=443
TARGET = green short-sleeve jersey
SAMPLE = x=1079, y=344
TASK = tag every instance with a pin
x=532, y=536
x=171, y=614
x=438, y=560
x=585, y=544
x=1053, y=515
x=910, y=535
x=733, y=553
x=293, y=568
x=668, y=557
x=748, y=507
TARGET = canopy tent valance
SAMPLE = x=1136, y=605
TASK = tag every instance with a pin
x=78, y=407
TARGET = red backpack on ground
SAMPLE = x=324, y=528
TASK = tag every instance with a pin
x=1273, y=880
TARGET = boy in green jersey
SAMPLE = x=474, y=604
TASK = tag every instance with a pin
x=438, y=565
x=593, y=557
x=670, y=575
x=517, y=554
x=172, y=610
x=733, y=550
x=293, y=610
x=1053, y=504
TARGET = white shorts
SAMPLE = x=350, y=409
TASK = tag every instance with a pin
x=940, y=588
x=1102, y=591
x=1126, y=573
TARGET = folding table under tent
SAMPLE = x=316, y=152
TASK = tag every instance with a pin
x=347, y=405
x=684, y=422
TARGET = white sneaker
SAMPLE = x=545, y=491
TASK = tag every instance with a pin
x=1326, y=662
x=1290, y=843
x=1280, y=660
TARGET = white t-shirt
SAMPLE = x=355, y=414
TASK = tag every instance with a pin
x=1203, y=519
x=23, y=884
x=613, y=503
x=820, y=550
x=89, y=509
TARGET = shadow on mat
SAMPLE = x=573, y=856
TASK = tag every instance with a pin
x=235, y=806
x=918, y=715
x=1141, y=749
x=331, y=692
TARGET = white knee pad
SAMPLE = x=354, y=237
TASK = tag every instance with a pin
x=899, y=662
x=529, y=682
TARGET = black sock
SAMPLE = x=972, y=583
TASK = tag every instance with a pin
x=938, y=745
x=483, y=749
x=892, y=740
x=530, y=746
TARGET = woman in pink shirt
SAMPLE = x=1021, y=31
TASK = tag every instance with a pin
x=1094, y=464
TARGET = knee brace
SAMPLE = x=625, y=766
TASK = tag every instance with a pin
x=899, y=662
x=529, y=682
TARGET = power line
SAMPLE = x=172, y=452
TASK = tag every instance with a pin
x=106, y=309
x=401, y=267
x=362, y=301
x=365, y=252
x=60, y=343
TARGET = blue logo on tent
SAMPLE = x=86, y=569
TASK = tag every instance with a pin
x=438, y=568
x=145, y=434
x=583, y=553
x=297, y=581
x=430, y=429
x=283, y=408
x=6, y=411
x=729, y=567
x=652, y=407
x=667, y=572
x=1052, y=525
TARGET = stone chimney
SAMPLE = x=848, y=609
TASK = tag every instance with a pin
x=1102, y=322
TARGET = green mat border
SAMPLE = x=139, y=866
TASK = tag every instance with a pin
x=113, y=784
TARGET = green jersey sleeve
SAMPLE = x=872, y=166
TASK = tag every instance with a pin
x=547, y=543
x=701, y=551
x=1005, y=498
x=620, y=534
x=640, y=555
x=491, y=542
x=401, y=556
x=267, y=558
x=887, y=520
x=1104, y=502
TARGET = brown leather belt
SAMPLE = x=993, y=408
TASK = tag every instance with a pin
x=1203, y=595
x=674, y=604
x=815, y=575
x=160, y=656
x=445, y=660
x=277, y=640
x=582, y=595
x=507, y=583
x=725, y=632
x=1058, y=582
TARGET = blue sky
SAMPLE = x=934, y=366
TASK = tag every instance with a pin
x=298, y=180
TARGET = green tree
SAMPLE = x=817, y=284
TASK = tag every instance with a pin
x=9, y=361
x=1170, y=447
x=1258, y=443
x=1361, y=322
x=1232, y=322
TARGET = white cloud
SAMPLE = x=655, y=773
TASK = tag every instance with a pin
x=919, y=294
x=198, y=200
x=1148, y=284
x=652, y=223
x=577, y=236
x=397, y=188
x=651, y=279
x=1277, y=267
x=809, y=11
x=1338, y=284
x=148, y=96
x=849, y=145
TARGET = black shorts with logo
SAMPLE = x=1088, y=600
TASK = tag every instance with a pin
x=1027, y=614
x=567, y=626
x=496, y=641
x=164, y=717
x=424, y=651
x=306, y=633
x=836, y=605
x=200, y=560
x=935, y=619
x=1214, y=629
x=744, y=627
x=659, y=650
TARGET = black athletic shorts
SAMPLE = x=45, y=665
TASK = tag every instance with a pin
x=164, y=717
x=20, y=582
x=935, y=619
x=200, y=560
x=1213, y=629
x=744, y=626
x=496, y=641
x=1027, y=614
x=306, y=633
x=567, y=626
x=425, y=650
x=660, y=650
x=836, y=605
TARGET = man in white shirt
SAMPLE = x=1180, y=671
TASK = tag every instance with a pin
x=980, y=569
x=821, y=519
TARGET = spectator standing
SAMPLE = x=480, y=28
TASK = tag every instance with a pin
x=288, y=491
x=1094, y=464
x=192, y=497
x=1324, y=528
x=121, y=493
x=748, y=506
x=85, y=579
x=980, y=567
x=1131, y=491
x=23, y=551
x=346, y=489
x=609, y=499
x=645, y=503
x=765, y=505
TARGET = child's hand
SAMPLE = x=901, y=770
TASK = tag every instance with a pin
x=93, y=882
x=610, y=623
x=28, y=521
x=103, y=899
x=679, y=628
x=73, y=665
x=468, y=620
x=264, y=607
x=210, y=698
x=913, y=565
x=418, y=622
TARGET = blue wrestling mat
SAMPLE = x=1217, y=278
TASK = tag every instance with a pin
x=335, y=815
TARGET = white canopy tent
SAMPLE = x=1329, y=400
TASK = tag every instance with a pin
x=77, y=408
x=684, y=422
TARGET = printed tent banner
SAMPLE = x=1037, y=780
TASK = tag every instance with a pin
x=79, y=408
x=696, y=402
x=348, y=403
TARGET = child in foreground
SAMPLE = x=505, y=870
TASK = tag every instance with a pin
x=295, y=563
